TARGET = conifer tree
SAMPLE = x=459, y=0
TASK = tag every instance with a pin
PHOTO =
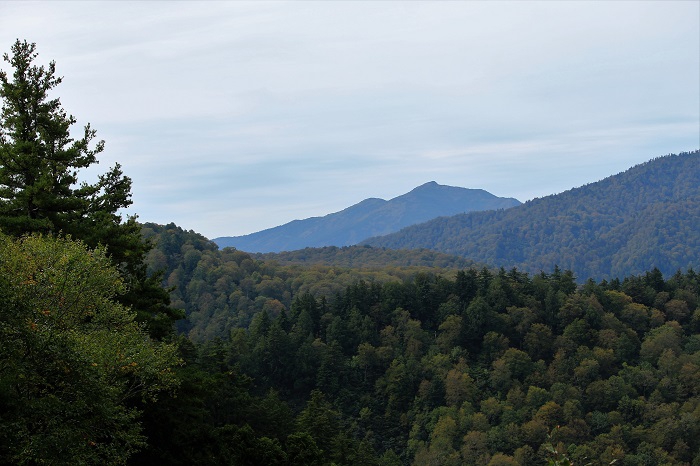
x=40, y=161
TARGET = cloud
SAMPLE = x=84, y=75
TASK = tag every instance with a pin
x=236, y=116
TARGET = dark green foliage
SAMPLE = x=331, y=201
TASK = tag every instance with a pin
x=222, y=290
x=39, y=160
x=39, y=164
x=76, y=364
x=365, y=257
x=623, y=225
x=473, y=367
x=40, y=192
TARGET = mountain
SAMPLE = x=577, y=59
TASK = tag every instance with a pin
x=371, y=217
x=645, y=217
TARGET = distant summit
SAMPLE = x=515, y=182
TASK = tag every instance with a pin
x=371, y=217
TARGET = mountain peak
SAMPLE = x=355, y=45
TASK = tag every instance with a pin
x=368, y=218
x=432, y=185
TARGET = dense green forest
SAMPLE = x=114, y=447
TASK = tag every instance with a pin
x=366, y=257
x=475, y=366
x=626, y=224
x=484, y=367
x=222, y=290
x=85, y=333
x=282, y=362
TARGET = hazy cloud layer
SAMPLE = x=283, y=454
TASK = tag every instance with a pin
x=232, y=117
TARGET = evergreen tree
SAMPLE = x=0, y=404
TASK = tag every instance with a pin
x=40, y=160
x=40, y=191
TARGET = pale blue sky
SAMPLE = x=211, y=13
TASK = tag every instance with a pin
x=232, y=117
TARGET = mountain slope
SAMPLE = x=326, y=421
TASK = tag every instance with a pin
x=371, y=217
x=645, y=217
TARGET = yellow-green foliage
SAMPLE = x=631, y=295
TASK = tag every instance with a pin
x=72, y=360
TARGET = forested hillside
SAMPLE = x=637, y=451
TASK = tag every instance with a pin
x=370, y=217
x=474, y=367
x=479, y=368
x=626, y=224
x=221, y=290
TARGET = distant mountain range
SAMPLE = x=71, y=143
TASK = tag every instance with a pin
x=369, y=218
x=645, y=217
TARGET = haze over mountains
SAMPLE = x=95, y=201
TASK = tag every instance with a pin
x=371, y=217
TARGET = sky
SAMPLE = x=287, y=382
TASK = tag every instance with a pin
x=232, y=117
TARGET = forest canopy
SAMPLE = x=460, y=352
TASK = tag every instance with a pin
x=469, y=366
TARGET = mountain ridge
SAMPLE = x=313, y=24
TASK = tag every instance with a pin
x=370, y=217
x=644, y=217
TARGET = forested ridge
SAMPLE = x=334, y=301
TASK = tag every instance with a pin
x=626, y=224
x=366, y=257
x=475, y=369
x=301, y=361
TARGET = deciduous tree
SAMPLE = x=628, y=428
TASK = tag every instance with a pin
x=73, y=362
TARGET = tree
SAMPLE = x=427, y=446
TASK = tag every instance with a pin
x=40, y=191
x=319, y=420
x=459, y=386
x=474, y=448
x=302, y=450
x=73, y=362
x=40, y=159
